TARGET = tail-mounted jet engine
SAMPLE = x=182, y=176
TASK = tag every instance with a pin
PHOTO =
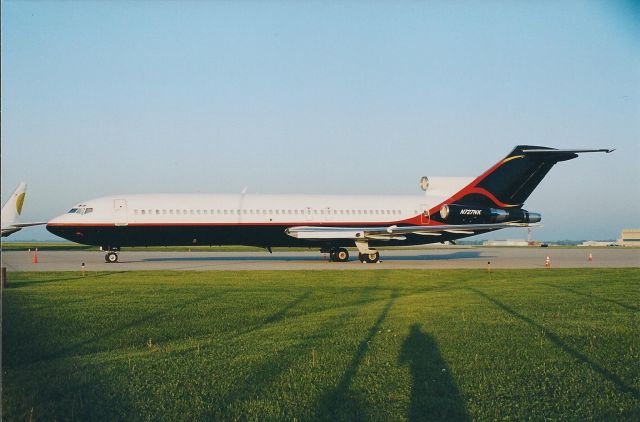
x=463, y=214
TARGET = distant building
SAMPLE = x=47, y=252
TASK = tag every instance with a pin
x=597, y=243
x=508, y=242
x=629, y=237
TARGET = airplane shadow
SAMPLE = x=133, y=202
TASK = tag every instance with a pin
x=27, y=283
x=291, y=258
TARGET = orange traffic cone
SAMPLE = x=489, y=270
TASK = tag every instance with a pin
x=590, y=258
x=35, y=256
x=547, y=263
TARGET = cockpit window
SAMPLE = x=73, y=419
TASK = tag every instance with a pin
x=81, y=210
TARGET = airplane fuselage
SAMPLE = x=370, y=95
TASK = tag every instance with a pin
x=257, y=220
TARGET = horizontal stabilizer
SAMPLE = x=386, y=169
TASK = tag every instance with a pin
x=565, y=151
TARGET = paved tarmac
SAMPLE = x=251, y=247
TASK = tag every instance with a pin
x=443, y=257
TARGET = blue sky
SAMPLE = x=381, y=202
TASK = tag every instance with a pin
x=102, y=98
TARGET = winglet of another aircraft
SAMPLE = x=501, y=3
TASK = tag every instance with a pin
x=12, y=209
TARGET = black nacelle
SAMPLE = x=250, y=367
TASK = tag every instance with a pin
x=465, y=214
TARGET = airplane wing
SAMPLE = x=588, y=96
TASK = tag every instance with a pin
x=16, y=227
x=392, y=232
x=21, y=225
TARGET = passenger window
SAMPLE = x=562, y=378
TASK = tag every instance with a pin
x=143, y=213
x=157, y=212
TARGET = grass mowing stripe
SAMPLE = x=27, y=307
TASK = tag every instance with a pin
x=339, y=345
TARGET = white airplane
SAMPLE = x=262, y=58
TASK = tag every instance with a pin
x=452, y=208
x=12, y=209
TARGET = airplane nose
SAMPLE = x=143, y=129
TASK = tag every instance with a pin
x=54, y=226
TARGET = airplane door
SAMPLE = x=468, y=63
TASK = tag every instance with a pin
x=308, y=213
x=425, y=218
x=328, y=213
x=120, y=212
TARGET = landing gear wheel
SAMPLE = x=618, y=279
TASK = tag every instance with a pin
x=111, y=257
x=341, y=255
x=369, y=258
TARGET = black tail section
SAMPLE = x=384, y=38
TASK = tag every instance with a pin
x=510, y=182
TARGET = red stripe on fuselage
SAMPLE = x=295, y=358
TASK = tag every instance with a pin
x=289, y=224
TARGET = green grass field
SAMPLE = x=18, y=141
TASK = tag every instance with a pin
x=328, y=345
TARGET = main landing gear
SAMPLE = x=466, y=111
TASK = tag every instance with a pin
x=365, y=255
x=339, y=255
x=369, y=258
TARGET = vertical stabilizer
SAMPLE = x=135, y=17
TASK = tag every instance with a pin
x=510, y=182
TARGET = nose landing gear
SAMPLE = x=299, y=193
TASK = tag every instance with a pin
x=112, y=254
x=111, y=257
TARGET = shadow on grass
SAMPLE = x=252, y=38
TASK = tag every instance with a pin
x=341, y=403
x=27, y=283
x=76, y=348
x=557, y=341
x=256, y=379
x=434, y=395
x=592, y=296
x=283, y=312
